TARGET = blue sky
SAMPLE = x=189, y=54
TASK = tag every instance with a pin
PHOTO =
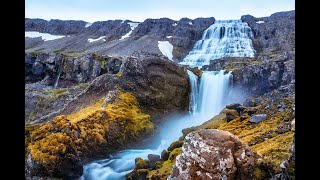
x=139, y=10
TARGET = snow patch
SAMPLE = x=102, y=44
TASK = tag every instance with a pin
x=169, y=37
x=166, y=48
x=132, y=26
x=174, y=24
x=190, y=23
x=93, y=40
x=44, y=36
x=260, y=22
x=88, y=25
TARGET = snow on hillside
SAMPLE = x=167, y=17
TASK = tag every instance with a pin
x=190, y=23
x=260, y=22
x=93, y=40
x=88, y=25
x=166, y=48
x=169, y=37
x=132, y=26
x=44, y=36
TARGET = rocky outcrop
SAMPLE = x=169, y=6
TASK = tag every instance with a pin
x=214, y=154
x=59, y=148
x=159, y=85
x=277, y=33
x=40, y=66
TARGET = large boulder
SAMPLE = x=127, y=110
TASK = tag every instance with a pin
x=214, y=154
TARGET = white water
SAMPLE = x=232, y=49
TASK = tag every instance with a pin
x=225, y=38
x=204, y=104
x=59, y=73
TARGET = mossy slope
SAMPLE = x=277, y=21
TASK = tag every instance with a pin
x=91, y=131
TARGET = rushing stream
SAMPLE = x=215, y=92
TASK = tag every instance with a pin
x=207, y=98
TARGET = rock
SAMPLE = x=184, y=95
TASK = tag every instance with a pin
x=214, y=154
x=231, y=114
x=114, y=65
x=258, y=118
x=152, y=160
x=234, y=106
x=250, y=110
x=164, y=155
x=174, y=145
x=251, y=102
x=141, y=164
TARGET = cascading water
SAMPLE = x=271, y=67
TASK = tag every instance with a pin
x=193, y=105
x=222, y=39
x=225, y=38
x=59, y=73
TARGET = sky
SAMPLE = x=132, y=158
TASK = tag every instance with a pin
x=139, y=10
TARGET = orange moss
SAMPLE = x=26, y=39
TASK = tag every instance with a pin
x=87, y=131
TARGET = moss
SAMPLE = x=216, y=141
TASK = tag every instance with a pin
x=140, y=163
x=164, y=171
x=34, y=53
x=87, y=131
x=119, y=75
x=174, y=145
x=56, y=92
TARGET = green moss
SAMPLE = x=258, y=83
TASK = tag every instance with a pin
x=164, y=171
x=174, y=145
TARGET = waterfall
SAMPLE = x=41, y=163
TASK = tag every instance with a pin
x=224, y=38
x=214, y=91
x=193, y=105
x=59, y=73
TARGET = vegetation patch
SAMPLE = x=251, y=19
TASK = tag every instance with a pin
x=90, y=131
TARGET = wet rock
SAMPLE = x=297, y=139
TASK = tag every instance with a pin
x=214, y=154
x=258, y=118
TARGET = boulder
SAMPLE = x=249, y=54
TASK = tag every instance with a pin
x=153, y=158
x=164, y=155
x=258, y=118
x=231, y=114
x=234, y=106
x=214, y=154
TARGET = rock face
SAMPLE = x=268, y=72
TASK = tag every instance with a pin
x=214, y=154
x=73, y=69
x=159, y=85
